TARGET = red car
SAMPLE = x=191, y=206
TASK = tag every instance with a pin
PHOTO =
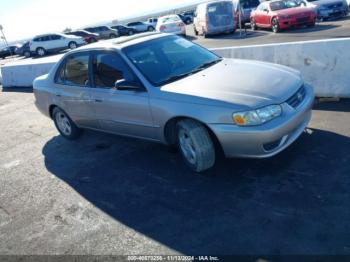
x=281, y=14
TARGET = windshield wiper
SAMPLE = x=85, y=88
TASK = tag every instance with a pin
x=197, y=69
x=208, y=64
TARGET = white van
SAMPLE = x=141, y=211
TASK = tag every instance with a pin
x=215, y=17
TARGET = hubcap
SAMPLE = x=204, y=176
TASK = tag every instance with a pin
x=187, y=147
x=73, y=46
x=63, y=124
x=41, y=52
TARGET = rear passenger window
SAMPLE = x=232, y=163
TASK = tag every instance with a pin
x=75, y=71
x=109, y=68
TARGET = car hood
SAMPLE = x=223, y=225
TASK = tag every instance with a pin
x=242, y=83
x=294, y=11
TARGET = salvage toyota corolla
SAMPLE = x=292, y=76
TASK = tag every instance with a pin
x=166, y=89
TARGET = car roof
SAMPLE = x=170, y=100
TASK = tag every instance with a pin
x=123, y=41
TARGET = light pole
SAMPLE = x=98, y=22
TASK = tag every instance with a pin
x=3, y=37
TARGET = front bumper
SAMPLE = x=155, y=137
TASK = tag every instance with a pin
x=269, y=139
x=293, y=22
x=332, y=13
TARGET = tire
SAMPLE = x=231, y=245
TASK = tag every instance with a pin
x=27, y=54
x=311, y=24
x=195, y=31
x=130, y=32
x=111, y=36
x=93, y=40
x=188, y=21
x=195, y=145
x=150, y=29
x=65, y=125
x=40, y=51
x=253, y=24
x=275, y=25
x=73, y=45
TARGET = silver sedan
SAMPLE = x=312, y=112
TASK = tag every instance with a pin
x=166, y=89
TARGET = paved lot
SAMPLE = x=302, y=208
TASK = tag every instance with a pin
x=325, y=30
x=110, y=195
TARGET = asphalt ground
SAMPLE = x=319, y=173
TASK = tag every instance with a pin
x=108, y=195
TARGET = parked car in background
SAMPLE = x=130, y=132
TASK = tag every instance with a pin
x=88, y=36
x=23, y=50
x=8, y=51
x=215, y=17
x=140, y=27
x=186, y=19
x=104, y=32
x=166, y=89
x=171, y=24
x=52, y=43
x=124, y=30
x=152, y=21
x=245, y=7
x=281, y=14
x=327, y=9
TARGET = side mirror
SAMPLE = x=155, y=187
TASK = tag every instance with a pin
x=123, y=84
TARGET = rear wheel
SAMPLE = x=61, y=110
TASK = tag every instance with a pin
x=65, y=125
x=150, y=28
x=130, y=32
x=311, y=24
x=40, y=51
x=27, y=54
x=72, y=45
x=275, y=25
x=111, y=36
x=196, y=145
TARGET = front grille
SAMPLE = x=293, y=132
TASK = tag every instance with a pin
x=296, y=99
x=302, y=20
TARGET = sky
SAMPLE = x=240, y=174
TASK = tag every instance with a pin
x=22, y=19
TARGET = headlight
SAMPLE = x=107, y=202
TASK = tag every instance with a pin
x=323, y=8
x=257, y=117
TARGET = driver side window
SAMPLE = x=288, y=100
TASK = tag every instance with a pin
x=108, y=68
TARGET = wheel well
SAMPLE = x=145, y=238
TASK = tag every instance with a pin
x=51, y=108
x=170, y=132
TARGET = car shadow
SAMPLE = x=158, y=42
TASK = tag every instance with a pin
x=343, y=106
x=290, y=204
x=17, y=89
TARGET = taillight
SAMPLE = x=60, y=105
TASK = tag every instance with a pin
x=181, y=24
x=162, y=28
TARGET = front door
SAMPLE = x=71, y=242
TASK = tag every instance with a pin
x=125, y=112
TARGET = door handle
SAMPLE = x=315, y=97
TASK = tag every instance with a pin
x=98, y=101
x=58, y=95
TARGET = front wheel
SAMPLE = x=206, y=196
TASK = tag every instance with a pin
x=65, y=125
x=111, y=36
x=150, y=29
x=275, y=25
x=130, y=32
x=40, y=51
x=196, y=145
x=253, y=24
x=27, y=54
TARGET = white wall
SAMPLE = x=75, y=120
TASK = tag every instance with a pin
x=22, y=73
x=324, y=63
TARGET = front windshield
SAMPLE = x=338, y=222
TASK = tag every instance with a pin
x=169, y=58
x=279, y=5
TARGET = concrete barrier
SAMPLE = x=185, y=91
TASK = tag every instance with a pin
x=323, y=63
x=22, y=73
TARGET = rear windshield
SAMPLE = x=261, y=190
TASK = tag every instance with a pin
x=279, y=5
x=220, y=8
x=170, y=19
x=249, y=3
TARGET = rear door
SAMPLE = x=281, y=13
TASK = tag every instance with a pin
x=220, y=16
x=125, y=112
x=73, y=86
x=261, y=15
